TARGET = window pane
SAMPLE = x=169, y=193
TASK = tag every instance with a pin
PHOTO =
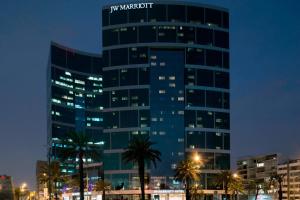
x=137, y=15
x=214, y=140
x=226, y=60
x=205, y=77
x=119, y=140
x=213, y=99
x=111, y=119
x=213, y=58
x=213, y=17
x=222, y=80
x=105, y=58
x=138, y=55
x=204, y=36
x=104, y=99
x=226, y=100
x=112, y=161
x=221, y=39
x=105, y=137
x=119, y=17
x=222, y=161
x=112, y=78
x=195, y=15
x=144, y=118
x=186, y=34
x=190, y=118
x=79, y=62
x=225, y=20
x=139, y=97
x=195, y=98
x=110, y=37
x=128, y=76
x=222, y=120
x=129, y=118
x=58, y=56
x=190, y=76
x=128, y=35
x=157, y=13
x=176, y=13
x=209, y=164
x=195, y=139
x=105, y=17
x=147, y=34
x=205, y=119
x=195, y=56
x=143, y=76
x=166, y=34
x=119, y=57
x=119, y=98
x=226, y=141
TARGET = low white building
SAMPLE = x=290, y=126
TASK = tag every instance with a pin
x=290, y=171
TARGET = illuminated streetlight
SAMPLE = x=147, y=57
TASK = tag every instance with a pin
x=197, y=157
x=235, y=175
x=23, y=187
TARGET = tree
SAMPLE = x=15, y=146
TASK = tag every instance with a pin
x=103, y=186
x=51, y=175
x=79, y=145
x=254, y=186
x=276, y=181
x=227, y=180
x=140, y=151
x=236, y=186
x=196, y=192
x=186, y=171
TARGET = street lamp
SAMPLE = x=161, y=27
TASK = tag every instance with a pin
x=23, y=187
x=235, y=175
x=197, y=158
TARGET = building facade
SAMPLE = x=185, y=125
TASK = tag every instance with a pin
x=258, y=168
x=6, y=188
x=166, y=76
x=74, y=92
x=290, y=171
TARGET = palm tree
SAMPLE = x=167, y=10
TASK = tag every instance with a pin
x=79, y=145
x=276, y=180
x=226, y=179
x=256, y=186
x=236, y=186
x=17, y=193
x=103, y=186
x=187, y=171
x=51, y=175
x=140, y=151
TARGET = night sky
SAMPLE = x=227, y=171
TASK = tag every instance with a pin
x=265, y=70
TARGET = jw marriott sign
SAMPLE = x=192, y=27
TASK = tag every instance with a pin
x=131, y=6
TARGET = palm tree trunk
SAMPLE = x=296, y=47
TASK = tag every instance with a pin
x=81, y=183
x=142, y=177
x=226, y=191
x=187, y=189
x=256, y=193
x=280, y=191
x=103, y=194
x=55, y=190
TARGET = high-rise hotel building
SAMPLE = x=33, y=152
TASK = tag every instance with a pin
x=165, y=74
x=74, y=92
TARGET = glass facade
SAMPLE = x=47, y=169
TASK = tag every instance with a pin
x=166, y=75
x=75, y=85
x=162, y=74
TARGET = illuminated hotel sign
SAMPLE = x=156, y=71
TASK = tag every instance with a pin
x=131, y=6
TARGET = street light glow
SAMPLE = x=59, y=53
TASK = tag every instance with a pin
x=197, y=158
